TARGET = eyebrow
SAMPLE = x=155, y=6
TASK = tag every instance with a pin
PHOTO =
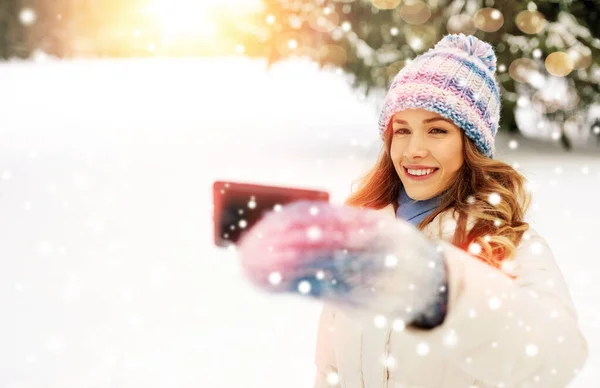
x=426, y=121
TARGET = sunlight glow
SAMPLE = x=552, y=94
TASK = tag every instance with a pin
x=192, y=17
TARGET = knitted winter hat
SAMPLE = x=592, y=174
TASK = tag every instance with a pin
x=456, y=80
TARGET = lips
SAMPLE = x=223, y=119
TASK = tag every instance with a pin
x=433, y=172
x=419, y=177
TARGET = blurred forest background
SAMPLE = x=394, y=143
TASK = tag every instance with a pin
x=548, y=51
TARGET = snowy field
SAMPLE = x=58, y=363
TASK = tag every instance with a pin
x=109, y=277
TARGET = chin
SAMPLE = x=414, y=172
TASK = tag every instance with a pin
x=419, y=195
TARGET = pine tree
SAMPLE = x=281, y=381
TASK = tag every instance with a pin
x=371, y=40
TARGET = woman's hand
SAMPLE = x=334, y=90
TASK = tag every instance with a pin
x=356, y=259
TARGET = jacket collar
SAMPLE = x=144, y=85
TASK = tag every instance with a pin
x=443, y=225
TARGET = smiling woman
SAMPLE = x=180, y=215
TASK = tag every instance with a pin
x=433, y=237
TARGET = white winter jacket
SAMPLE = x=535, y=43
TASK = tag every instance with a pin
x=499, y=331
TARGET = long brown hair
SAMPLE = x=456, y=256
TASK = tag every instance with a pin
x=498, y=229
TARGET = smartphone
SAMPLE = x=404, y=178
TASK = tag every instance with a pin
x=238, y=206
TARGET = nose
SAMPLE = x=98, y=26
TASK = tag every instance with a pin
x=416, y=147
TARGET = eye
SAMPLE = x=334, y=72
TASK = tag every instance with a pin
x=401, y=131
x=439, y=130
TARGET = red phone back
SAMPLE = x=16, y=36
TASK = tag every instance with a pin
x=238, y=206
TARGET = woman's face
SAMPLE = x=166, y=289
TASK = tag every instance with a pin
x=422, y=141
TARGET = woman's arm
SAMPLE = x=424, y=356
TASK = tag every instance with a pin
x=510, y=331
x=324, y=354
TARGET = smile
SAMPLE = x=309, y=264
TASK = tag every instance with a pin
x=419, y=177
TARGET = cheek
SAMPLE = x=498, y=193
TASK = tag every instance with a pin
x=395, y=151
x=451, y=158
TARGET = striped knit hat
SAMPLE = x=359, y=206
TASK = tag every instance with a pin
x=456, y=80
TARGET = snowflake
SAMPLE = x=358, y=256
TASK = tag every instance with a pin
x=494, y=199
x=314, y=233
x=27, y=16
x=274, y=278
x=494, y=303
x=531, y=350
x=391, y=261
x=390, y=362
x=475, y=248
x=398, y=325
x=536, y=248
x=333, y=378
x=304, y=287
x=379, y=321
x=450, y=339
x=422, y=349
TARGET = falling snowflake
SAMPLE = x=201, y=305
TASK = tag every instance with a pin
x=494, y=303
x=398, y=325
x=379, y=321
x=450, y=339
x=27, y=16
x=422, y=349
x=333, y=378
x=531, y=350
x=314, y=233
x=475, y=248
x=304, y=287
x=390, y=362
x=494, y=199
x=274, y=278
x=391, y=261
x=536, y=248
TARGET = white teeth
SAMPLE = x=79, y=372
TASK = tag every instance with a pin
x=421, y=172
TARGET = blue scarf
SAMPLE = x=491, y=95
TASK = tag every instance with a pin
x=414, y=211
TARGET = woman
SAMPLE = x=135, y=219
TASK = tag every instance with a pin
x=429, y=274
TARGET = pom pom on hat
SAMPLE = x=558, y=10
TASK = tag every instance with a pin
x=470, y=44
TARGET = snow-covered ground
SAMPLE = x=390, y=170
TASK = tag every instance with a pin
x=108, y=275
